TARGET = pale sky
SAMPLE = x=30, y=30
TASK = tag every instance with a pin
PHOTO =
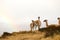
x=17, y=14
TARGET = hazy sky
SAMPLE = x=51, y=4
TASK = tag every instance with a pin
x=15, y=14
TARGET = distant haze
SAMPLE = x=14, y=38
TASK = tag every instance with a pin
x=16, y=15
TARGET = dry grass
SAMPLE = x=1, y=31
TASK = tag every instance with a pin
x=37, y=35
x=43, y=34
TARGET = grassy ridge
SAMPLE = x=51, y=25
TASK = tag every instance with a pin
x=50, y=33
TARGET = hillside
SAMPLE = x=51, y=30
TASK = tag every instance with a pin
x=42, y=34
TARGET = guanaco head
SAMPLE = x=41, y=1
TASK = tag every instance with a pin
x=32, y=20
x=38, y=18
x=58, y=18
x=45, y=20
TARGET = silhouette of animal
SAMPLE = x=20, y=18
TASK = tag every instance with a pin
x=52, y=25
x=36, y=23
x=58, y=20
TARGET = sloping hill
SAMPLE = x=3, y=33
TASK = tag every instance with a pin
x=42, y=34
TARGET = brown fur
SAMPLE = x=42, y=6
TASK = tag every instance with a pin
x=36, y=23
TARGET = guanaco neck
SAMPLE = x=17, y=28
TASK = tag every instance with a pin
x=59, y=21
x=46, y=24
